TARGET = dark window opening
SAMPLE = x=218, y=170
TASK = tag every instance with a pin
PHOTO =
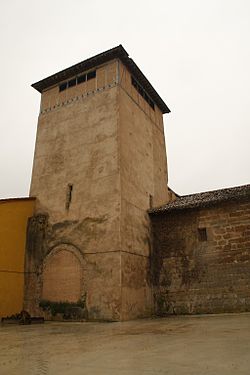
x=202, y=234
x=77, y=80
x=81, y=79
x=91, y=75
x=150, y=201
x=63, y=86
x=68, y=196
x=142, y=92
x=72, y=82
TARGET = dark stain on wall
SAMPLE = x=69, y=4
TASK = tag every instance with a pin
x=42, y=237
x=36, y=239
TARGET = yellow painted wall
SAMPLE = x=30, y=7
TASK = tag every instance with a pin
x=14, y=214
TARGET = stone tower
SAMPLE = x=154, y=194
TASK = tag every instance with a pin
x=99, y=165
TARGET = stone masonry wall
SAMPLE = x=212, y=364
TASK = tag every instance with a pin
x=193, y=274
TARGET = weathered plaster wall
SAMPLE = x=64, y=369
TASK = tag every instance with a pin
x=136, y=296
x=77, y=144
x=14, y=214
x=143, y=150
x=143, y=168
x=192, y=276
x=99, y=275
x=108, y=143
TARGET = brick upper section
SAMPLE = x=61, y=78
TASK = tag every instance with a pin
x=114, y=53
x=205, y=199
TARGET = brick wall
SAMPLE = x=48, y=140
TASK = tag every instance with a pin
x=201, y=259
x=62, y=277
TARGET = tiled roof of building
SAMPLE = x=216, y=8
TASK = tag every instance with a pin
x=6, y=200
x=115, y=53
x=205, y=199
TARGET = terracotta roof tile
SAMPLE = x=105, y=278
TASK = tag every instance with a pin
x=205, y=199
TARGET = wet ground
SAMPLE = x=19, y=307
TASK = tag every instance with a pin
x=213, y=345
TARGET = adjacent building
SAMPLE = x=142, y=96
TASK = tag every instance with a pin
x=14, y=215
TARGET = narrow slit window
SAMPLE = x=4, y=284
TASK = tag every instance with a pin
x=150, y=201
x=69, y=196
x=202, y=234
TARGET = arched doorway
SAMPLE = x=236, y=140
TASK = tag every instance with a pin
x=62, y=276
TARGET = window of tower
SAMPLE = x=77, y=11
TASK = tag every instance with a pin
x=63, y=86
x=202, y=234
x=91, y=75
x=77, y=80
x=81, y=79
x=142, y=92
x=72, y=82
x=68, y=196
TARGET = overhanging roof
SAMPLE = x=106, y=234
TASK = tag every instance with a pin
x=206, y=199
x=114, y=53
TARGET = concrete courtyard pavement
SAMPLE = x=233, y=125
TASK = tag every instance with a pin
x=190, y=345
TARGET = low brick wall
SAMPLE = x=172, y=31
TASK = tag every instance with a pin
x=201, y=259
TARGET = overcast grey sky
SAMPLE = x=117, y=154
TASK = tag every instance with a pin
x=196, y=53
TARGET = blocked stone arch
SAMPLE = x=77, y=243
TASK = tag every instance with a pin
x=62, y=276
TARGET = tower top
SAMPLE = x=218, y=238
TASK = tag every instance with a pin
x=114, y=53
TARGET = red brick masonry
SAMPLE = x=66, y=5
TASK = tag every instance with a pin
x=200, y=261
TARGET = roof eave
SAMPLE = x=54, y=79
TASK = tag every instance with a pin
x=203, y=200
x=116, y=52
